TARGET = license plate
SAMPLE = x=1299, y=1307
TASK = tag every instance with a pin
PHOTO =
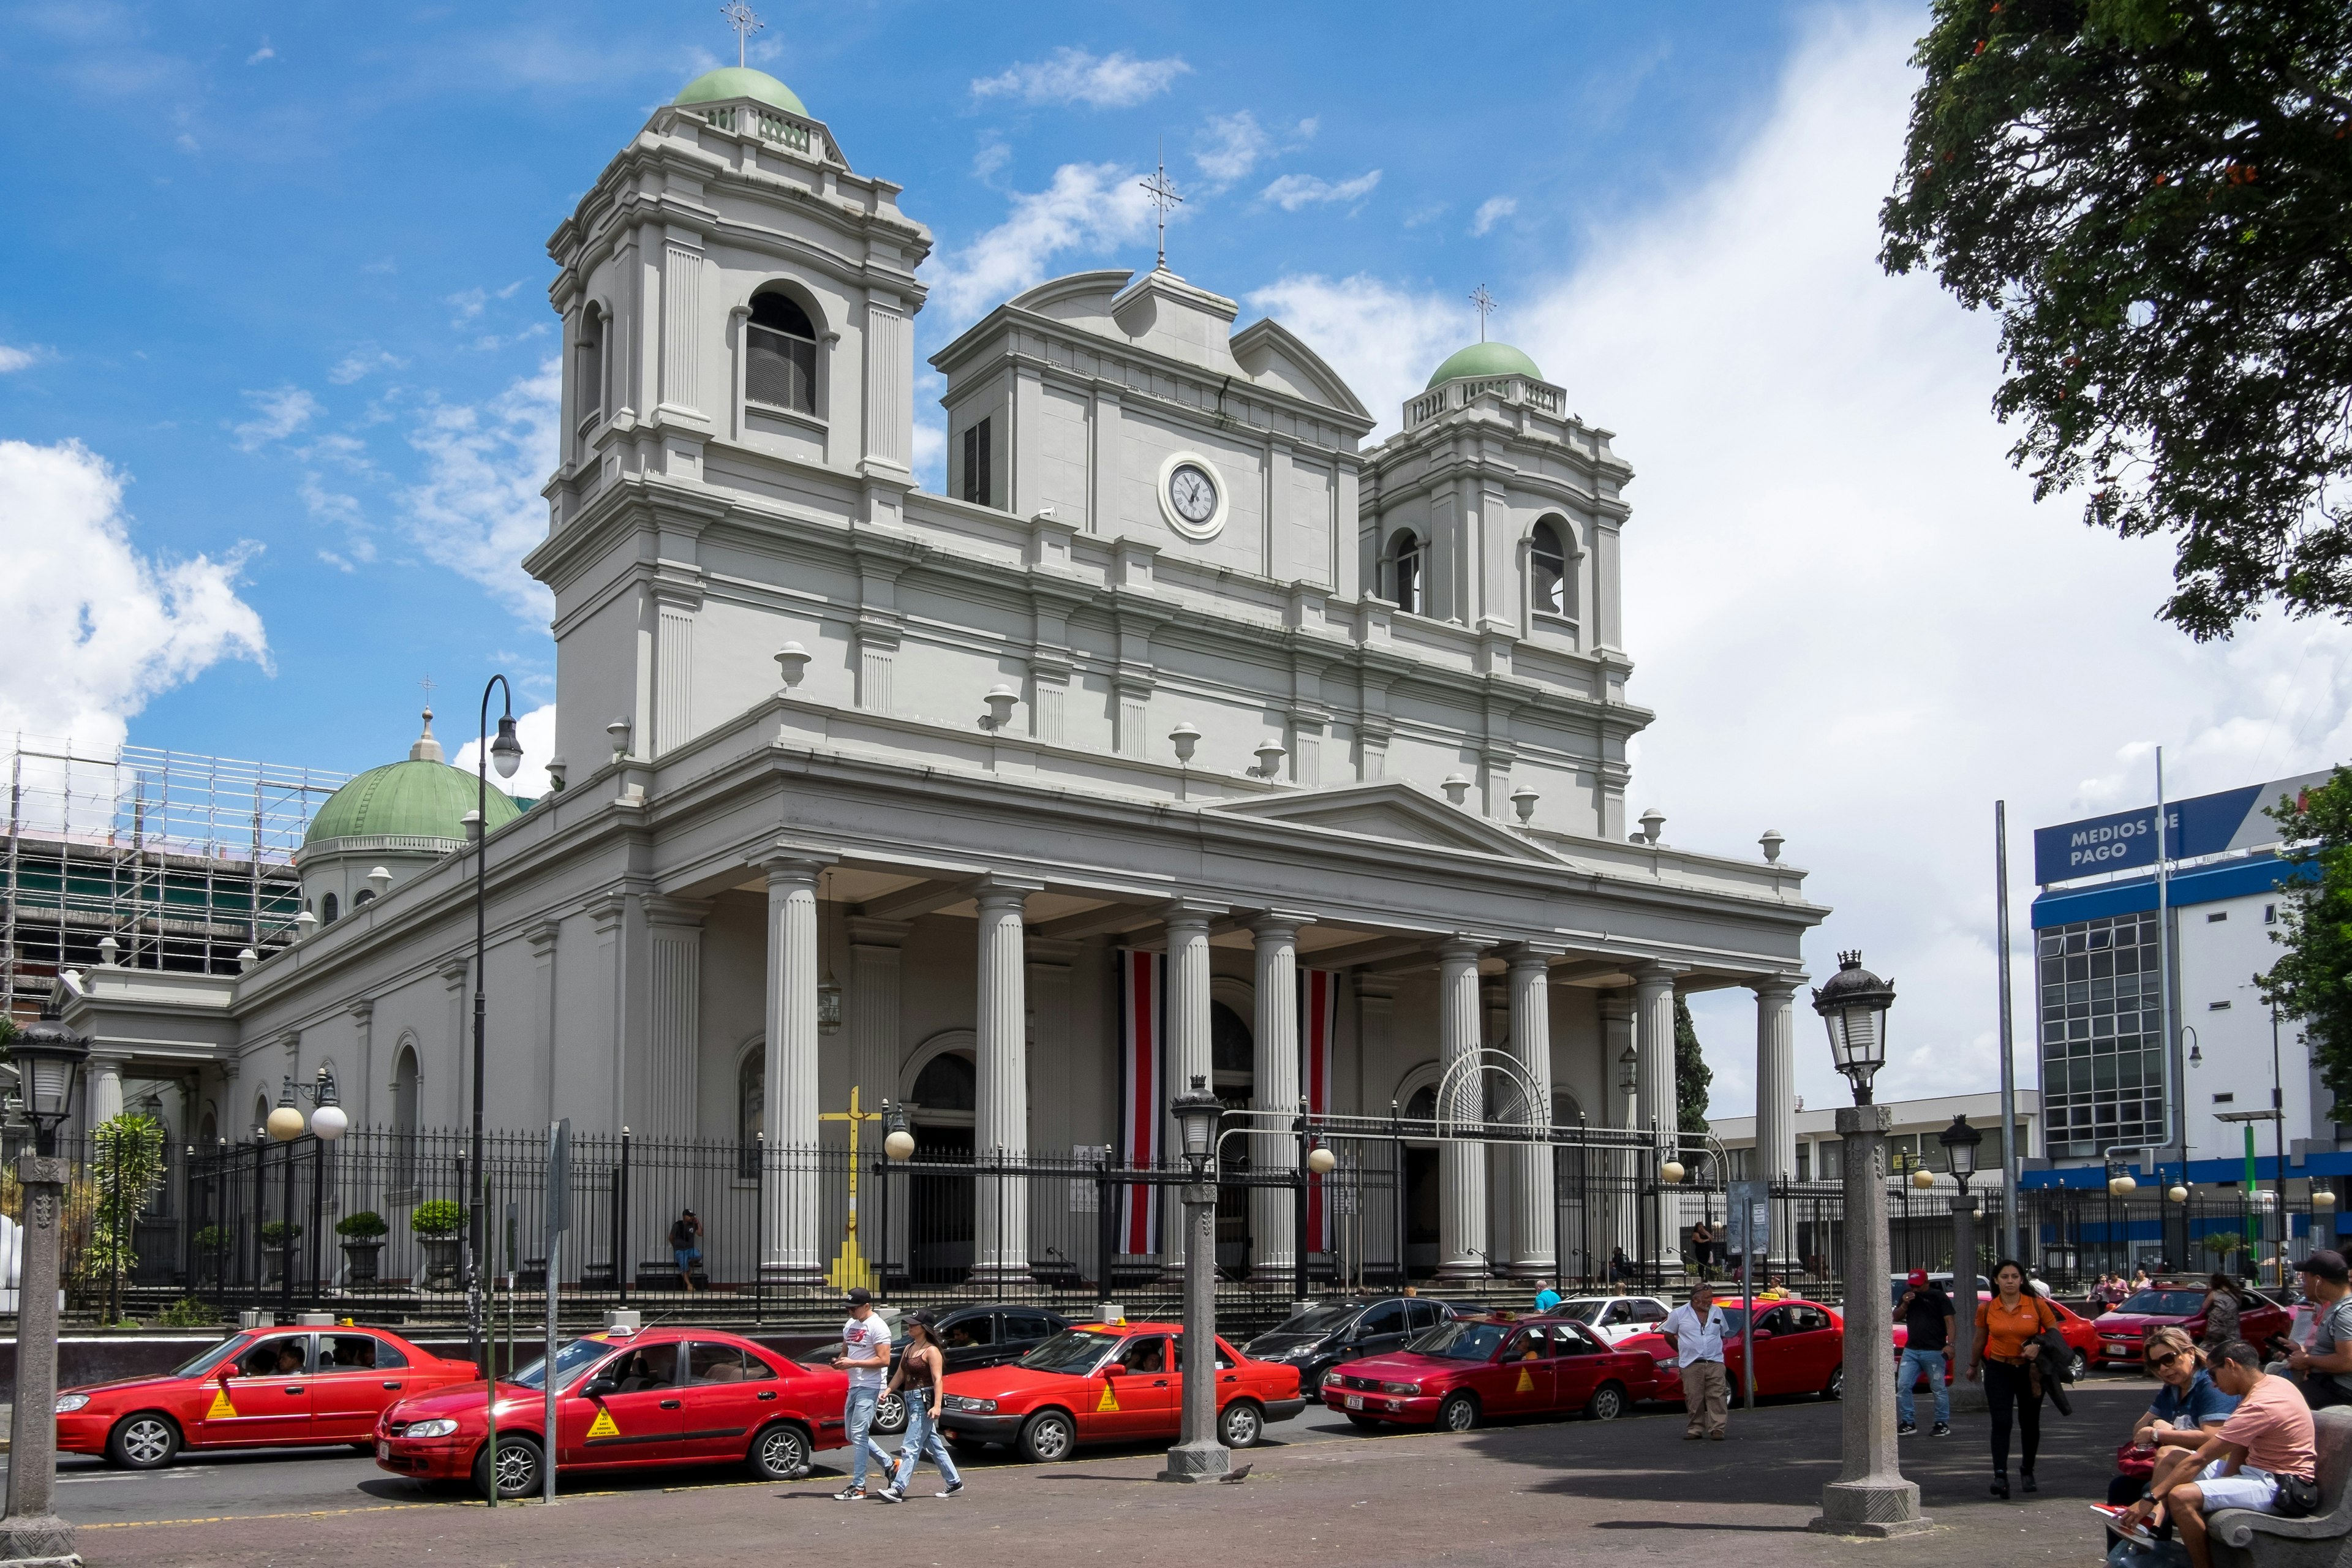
x=1355, y=1402
x=382, y=1449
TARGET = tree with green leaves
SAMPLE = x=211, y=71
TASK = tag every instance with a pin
x=1691, y=1075
x=2156, y=195
x=2312, y=981
x=126, y=1166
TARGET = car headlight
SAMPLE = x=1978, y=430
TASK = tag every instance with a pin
x=1332, y=1375
x=440, y=1427
x=71, y=1402
x=965, y=1402
x=1399, y=1388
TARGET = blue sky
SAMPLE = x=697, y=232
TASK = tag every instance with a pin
x=273, y=417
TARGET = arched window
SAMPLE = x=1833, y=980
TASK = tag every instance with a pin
x=948, y=1082
x=329, y=910
x=782, y=367
x=1231, y=1045
x=404, y=1080
x=1546, y=570
x=750, y=1111
x=1403, y=570
x=365, y=895
x=260, y=1116
x=589, y=365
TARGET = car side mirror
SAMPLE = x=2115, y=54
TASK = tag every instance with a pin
x=1763, y=1334
x=598, y=1387
x=1114, y=1369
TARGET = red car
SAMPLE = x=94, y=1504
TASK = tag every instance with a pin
x=262, y=1388
x=1799, y=1348
x=1109, y=1383
x=1479, y=1369
x=2179, y=1304
x=2081, y=1335
x=626, y=1400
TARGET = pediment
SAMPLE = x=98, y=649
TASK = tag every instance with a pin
x=1394, y=810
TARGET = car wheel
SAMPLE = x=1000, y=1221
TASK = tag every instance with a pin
x=518, y=1466
x=1048, y=1437
x=1458, y=1414
x=1362, y=1423
x=1607, y=1403
x=890, y=1415
x=146, y=1441
x=1835, y=1387
x=1241, y=1425
x=780, y=1453
x=2078, y=1368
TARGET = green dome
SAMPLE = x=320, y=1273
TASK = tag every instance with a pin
x=741, y=81
x=415, y=799
x=1485, y=359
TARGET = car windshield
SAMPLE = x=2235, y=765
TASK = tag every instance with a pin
x=1320, y=1320
x=1735, y=1317
x=207, y=1359
x=1584, y=1311
x=1072, y=1350
x=570, y=1362
x=1462, y=1341
x=2166, y=1303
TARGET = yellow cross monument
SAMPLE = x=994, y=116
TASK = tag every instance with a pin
x=849, y=1265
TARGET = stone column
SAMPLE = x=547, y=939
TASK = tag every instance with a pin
x=106, y=1084
x=1273, y=1210
x=1776, y=1078
x=1188, y=1049
x=667, y=1100
x=796, y=1192
x=1870, y=1497
x=876, y=949
x=1655, y=1111
x=1001, y=1218
x=33, y=1532
x=1462, y=1241
x=1532, y=1250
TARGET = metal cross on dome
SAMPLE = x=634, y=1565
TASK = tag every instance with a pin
x=745, y=22
x=1484, y=303
x=1163, y=196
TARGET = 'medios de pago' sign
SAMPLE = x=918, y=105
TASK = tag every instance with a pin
x=2201, y=825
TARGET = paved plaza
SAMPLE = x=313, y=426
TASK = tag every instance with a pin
x=1508, y=1496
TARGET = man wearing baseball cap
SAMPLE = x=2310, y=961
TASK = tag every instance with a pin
x=1926, y=1312
x=865, y=1354
x=2323, y=1363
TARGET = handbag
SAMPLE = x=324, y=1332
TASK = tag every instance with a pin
x=2298, y=1497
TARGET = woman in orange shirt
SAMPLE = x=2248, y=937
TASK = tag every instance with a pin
x=2006, y=1326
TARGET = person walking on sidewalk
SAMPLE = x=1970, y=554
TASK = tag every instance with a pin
x=1695, y=1330
x=864, y=1351
x=1926, y=1312
x=2006, y=1326
x=921, y=1369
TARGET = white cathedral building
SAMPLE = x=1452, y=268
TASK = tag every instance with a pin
x=863, y=787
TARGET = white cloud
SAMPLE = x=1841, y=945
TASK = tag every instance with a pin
x=1383, y=340
x=470, y=303
x=1088, y=207
x=187, y=143
x=478, y=509
x=1116, y=81
x=277, y=415
x=1292, y=192
x=362, y=362
x=536, y=731
x=1492, y=211
x=14, y=359
x=992, y=156
x=96, y=628
x=1229, y=147
x=261, y=54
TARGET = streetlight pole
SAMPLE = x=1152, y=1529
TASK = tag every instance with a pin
x=1870, y=1497
x=1960, y=1142
x=1198, y=1456
x=506, y=750
x=48, y=1058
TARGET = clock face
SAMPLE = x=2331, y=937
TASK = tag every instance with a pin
x=1193, y=493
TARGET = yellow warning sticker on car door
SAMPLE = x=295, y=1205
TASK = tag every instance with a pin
x=603, y=1426
x=1526, y=1381
x=222, y=1409
x=1108, y=1403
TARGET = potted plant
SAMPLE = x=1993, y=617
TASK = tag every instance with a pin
x=362, y=1235
x=212, y=1243
x=277, y=1239
x=435, y=1224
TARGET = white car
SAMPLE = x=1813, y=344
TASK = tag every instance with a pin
x=1616, y=1318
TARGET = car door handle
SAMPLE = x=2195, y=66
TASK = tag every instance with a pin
x=295, y=1388
x=767, y=1394
x=392, y=1385
x=669, y=1404
x=1159, y=1383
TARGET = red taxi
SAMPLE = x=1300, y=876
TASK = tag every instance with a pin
x=654, y=1397
x=262, y=1388
x=1799, y=1348
x=2180, y=1305
x=1109, y=1383
x=1479, y=1369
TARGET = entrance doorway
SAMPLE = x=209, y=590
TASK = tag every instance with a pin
x=1421, y=1188
x=939, y=1204
x=1232, y=1061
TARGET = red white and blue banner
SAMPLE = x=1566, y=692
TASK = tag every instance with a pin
x=1142, y=1091
x=1318, y=1027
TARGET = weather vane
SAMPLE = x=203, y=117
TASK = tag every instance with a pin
x=1484, y=303
x=741, y=18
x=1163, y=196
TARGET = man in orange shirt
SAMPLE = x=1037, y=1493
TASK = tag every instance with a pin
x=2266, y=1441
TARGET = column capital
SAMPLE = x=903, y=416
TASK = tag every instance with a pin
x=788, y=862
x=114, y=1056
x=364, y=1009
x=1649, y=975
x=867, y=931
x=544, y=935
x=1003, y=893
x=1533, y=955
x=1777, y=986
x=1462, y=946
x=454, y=974
x=665, y=910
x=1277, y=925
x=1189, y=909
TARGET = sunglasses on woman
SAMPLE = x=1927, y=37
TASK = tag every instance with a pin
x=2165, y=1360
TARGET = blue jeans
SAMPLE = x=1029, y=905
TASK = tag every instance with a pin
x=921, y=1442
x=859, y=1416
x=1917, y=1363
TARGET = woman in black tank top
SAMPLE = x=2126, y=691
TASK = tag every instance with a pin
x=920, y=1371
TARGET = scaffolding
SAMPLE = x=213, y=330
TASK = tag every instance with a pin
x=181, y=861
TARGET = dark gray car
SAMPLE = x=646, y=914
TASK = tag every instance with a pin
x=1318, y=1338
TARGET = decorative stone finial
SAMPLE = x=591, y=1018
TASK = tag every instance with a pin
x=427, y=749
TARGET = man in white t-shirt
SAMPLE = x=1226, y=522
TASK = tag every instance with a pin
x=1695, y=1330
x=866, y=1356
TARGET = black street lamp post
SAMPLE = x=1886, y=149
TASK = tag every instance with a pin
x=1870, y=1497
x=48, y=1060
x=1961, y=1140
x=506, y=752
x=1198, y=1456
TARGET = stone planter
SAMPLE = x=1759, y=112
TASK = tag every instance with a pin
x=441, y=1258
x=273, y=1262
x=360, y=1260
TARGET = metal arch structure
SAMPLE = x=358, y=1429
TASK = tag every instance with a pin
x=1461, y=1080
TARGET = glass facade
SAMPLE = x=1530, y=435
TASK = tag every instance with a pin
x=2102, y=1036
